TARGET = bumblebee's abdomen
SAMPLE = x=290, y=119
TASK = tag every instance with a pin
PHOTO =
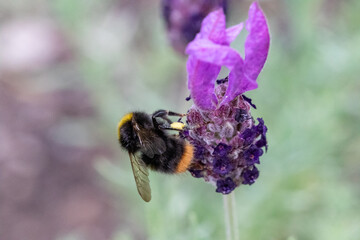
x=175, y=159
x=186, y=158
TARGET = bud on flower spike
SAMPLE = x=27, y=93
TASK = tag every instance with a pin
x=227, y=139
x=183, y=19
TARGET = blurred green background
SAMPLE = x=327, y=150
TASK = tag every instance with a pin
x=116, y=54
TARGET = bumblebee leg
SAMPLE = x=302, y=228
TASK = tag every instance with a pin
x=170, y=113
x=164, y=115
x=164, y=127
x=161, y=114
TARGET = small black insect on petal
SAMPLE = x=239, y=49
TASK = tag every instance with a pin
x=241, y=115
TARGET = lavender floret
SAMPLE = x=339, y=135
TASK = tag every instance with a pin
x=222, y=165
x=222, y=149
x=253, y=154
x=225, y=186
x=249, y=175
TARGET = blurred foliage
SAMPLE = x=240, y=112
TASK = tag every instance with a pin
x=308, y=96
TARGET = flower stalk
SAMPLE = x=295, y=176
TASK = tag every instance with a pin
x=231, y=223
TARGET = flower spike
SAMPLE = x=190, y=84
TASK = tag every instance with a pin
x=227, y=140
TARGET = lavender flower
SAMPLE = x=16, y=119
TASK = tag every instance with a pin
x=227, y=140
x=183, y=19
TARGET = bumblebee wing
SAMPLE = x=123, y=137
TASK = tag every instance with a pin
x=141, y=176
x=153, y=146
x=151, y=143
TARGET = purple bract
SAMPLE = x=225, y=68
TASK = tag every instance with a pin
x=210, y=50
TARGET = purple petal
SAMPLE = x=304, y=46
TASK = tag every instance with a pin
x=233, y=32
x=225, y=186
x=243, y=77
x=201, y=82
x=213, y=27
x=235, y=87
x=256, y=45
x=250, y=175
x=220, y=55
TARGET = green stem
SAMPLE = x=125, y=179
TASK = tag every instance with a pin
x=232, y=231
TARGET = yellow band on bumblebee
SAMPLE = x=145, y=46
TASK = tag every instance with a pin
x=125, y=119
x=177, y=125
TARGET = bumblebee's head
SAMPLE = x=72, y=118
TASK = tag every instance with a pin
x=126, y=134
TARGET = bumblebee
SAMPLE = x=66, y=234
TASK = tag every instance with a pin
x=145, y=138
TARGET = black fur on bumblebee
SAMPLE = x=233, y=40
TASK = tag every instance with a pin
x=145, y=138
